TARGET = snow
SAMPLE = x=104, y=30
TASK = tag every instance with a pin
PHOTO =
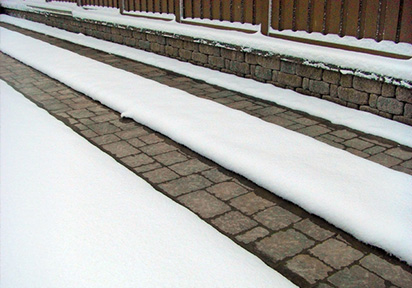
x=73, y=217
x=337, y=114
x=370, y=201
x=354, y=61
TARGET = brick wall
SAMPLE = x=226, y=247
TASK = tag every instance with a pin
x=374, y=96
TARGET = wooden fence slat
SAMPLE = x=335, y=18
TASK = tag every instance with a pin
x=350, y=19
x=317, y=9
x=216, y=10
x=275, y=14
x=206, y=9
x=406, y=23
x=369, y=18
x=237, y=10
x=301, y=15
x=286, y=14
x=196, y=9
x=332, y=16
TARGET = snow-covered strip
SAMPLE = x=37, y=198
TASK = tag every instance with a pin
x=108, y=228
x=349, y=60
x=337, y=114
x=370, y=201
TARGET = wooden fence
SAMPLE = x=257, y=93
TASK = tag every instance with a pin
x=375, y=19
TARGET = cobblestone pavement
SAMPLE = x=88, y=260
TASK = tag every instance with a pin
x=301, y=246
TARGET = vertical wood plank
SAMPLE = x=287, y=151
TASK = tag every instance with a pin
x=216, y=9
x=262, y=15
x=286, y=14
x=226, y=10
x=275, y=14
x=301, y=15
x=188, y=8
x=369, y=18
x=350, y=19
x=196, y=9
x=206, y=9
x=237, y=10
x=177, y=10
x=406, y=23
x=333, y=17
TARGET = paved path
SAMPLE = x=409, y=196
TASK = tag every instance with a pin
x=303, y=247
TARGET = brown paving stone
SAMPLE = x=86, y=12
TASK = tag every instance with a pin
x=383, y=268
x=160, y=175
x=148, y=167
x=88, y=133
x=311, y=229
x=356, y=277
x=203, y=203
x=103, y=128
x=345, y=134
x=358, y=144
x=133, y=133
x=385, y=159
x=278, y=120
x=215, y=176
x=137, y=160
x=336, y=253
x=272, y=110
x=234, y=222
x=250, y=203
x=104, y=118
x=120, y=149
x=314, y=130
x=136, y=142
x=185, y=184
x=80, y=113
x=171, y=158
x=105, y=139
x=374, y=150
x=252, y=235
x=151, y=139
x=227, y=190
x=276, y=218
x=399, y=153
x=309, y=268
x=283, y=244
x=158, y=148
x=357, y=152
x=189, y=167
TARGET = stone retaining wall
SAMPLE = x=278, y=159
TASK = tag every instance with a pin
x=385, y=99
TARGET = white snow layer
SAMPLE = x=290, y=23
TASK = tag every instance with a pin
x=361, y=62
x=335, y=113
x=71, y=216
x=370, y=201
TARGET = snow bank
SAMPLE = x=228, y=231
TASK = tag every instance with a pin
x=337, y=114
x=370, y=201
x=347, y=60
x=108, y=228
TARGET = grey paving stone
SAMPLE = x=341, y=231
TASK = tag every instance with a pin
x=399, y=153
x=310, y=268
x=80, y=113
x=358, y=144
x=314, y=130
x=160, y=175
x=215, y=175
x=133, y=133
x=137, y=160
x=189, y=167
x=284, y=244
x=171, y=158
x=185, y=184
x=234, y=222
x=105, y=139
x=252, y=235
x=88, y=133
x=272, y=110
x=311, y=229
x=374, y=150
x=391, y=272
x=158, y=148
x=356, y=277
x=345, y=134
x=407, y=164
x=105, y=117
x=120, y=149
x=135, y=142
x=148, y=167
x=151, y=139
x=385, y=159
x=275, y=119
x=336, y=253
x=276, y=218
x=227, y=190
x=250, y=203
x=104, y=128
x=203, y=203
x=357, y=152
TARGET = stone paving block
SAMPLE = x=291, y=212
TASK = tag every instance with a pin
x=383, y=268
x=151, y=139
x=158, y=148
x=137, y=160
x=357, y=152
x=358, y=144
x=345, y=134
x=80, y=113
x=309, y=268
x=227, y=190
x=407, y=164
x=203, y=203
x=250, y=203
x=276, y=218
x=385, y=159
x=399, y=153
x=314, y=130
x=215, y=175
x=356, y=277
x=160, y=175
x=185, y=184
x=88, y=133
x=374, y=150
x=336, y=253
x=136, y=142
x=104, y=128
x=272, y=110
x=278, y=120
x=240, y=104
x=105, y=117
x=171, y=158
x=311, y=229
x=283, y=244
x=120, y=149
x=133, y=133
x=148, y=167
x=189, y=167
x=252, y=235
x=234, y=222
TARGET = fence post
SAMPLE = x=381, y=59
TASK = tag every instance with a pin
x=80, y=3
x=263, y=15
x=121, y=6
x=178, y=9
